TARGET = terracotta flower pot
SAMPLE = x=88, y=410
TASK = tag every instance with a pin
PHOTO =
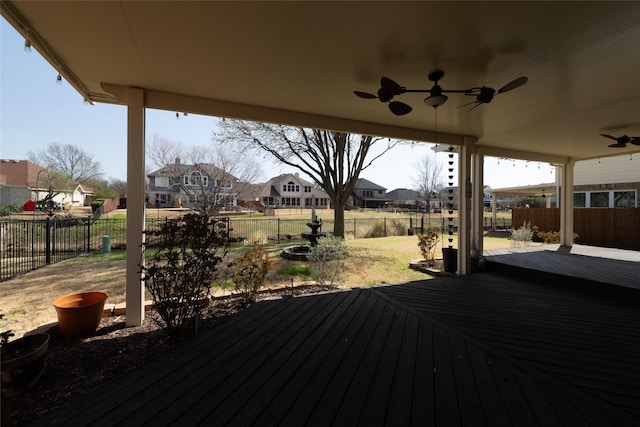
x=79, y=314
x=23, y=361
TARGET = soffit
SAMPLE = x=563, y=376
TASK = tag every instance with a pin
x=582, y=60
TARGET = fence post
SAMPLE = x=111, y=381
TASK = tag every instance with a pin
x=422, y=224
x=47, y=241
x=278, y=237
x=88, y=234
x=354, y=228
x=385, y=227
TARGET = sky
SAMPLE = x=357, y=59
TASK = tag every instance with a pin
x=35, y=111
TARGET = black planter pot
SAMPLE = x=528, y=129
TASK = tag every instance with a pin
x=23, y=361
x=449, y=260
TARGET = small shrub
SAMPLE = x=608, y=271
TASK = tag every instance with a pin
x=250, y=273
x=427, y=243
x=186, y=254
x=376, y=230
x=522, y=235
x=548, y=237
x=9, y=209
x=327, y=260
x=396, y=228
x=258, y=237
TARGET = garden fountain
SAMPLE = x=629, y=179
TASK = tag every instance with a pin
x=301, y=252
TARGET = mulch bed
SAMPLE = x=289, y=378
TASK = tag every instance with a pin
x=75, y=367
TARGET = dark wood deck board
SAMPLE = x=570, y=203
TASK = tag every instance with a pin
x=332, y=346
x=485, y=349
x=585, y=337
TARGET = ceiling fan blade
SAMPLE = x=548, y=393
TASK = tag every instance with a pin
x=609, y=136
x=635, y=140
x=399, y=108
x=390, y=86
x=478, y=103
x=364, y=94
x=618, y=145
x=513, y=84
x=467, y=104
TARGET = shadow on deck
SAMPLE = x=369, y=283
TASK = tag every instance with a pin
x=485, y=349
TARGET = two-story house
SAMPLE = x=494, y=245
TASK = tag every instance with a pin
x=366, y=194
x=289, y=190
x=403, y=198
x=185, y=185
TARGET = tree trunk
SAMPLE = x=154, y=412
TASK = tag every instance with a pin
x=338, y=220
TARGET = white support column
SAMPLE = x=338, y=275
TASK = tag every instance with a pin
x=464, y=208
x=566, y=205
x=494, y=211
x=477, y=209
x=135, y=204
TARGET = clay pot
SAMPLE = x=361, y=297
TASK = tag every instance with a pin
x=79, y=314
x=23, y=361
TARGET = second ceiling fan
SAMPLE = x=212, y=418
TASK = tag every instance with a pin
x=389, y=89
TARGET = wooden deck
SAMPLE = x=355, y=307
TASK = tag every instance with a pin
x=485, y=349
x=585, y=265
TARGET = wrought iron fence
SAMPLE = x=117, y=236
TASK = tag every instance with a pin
x=26, y=245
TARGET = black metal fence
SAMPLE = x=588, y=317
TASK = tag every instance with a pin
x=26, y=245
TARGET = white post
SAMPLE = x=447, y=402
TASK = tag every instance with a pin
x=464, y=208
x=566, y=206
x=494, y=211
x=135, y=204
x=477, y=209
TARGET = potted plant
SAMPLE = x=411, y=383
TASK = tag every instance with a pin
x=23, y=360
x=79, y=314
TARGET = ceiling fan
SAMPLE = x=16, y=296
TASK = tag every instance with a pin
x=622, y=141
x=389, y=89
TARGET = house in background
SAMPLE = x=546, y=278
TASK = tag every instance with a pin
x=289, y=190
x=366, y=194
x=402, y=198
x=182, y=185
x=23, y=180
x=612, y=182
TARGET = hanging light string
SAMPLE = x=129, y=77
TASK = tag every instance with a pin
x=33, y=40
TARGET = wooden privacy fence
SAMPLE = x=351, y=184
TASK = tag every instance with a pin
x=611, y=228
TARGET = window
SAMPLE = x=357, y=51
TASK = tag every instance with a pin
x=599, y=200
x=291, y=186
x=307, y=189
x=579, y=200
x=624, y=199
x=162, y=181
x=195, y=178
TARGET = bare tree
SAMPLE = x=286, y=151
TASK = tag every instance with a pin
x=334, y=160
x=118, y=185
x=68, y=160
x=428, y=181
x=209, y=177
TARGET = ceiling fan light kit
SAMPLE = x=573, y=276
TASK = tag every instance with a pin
x=389, y=89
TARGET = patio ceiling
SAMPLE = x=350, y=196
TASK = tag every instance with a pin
x=299, y=63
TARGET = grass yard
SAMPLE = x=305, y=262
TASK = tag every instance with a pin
x=27, y=300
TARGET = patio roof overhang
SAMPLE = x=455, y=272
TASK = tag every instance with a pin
x=298, y=63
